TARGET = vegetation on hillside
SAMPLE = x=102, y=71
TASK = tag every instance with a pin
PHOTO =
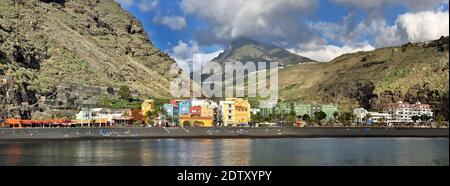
x=412, y=72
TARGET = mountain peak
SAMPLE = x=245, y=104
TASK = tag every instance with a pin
x=248, y=50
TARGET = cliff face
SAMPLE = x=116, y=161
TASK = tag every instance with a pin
x=69, y=52
x=412, y=72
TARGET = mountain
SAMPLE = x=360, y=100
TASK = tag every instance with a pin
x=247, y=50
x=411, y=72
x=69, y=53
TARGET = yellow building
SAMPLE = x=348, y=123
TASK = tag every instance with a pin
x=148, y=105
x=235, y=111
x=196, y=121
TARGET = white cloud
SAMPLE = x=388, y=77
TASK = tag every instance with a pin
x=376, y=5
x=424, y=26
x=184, y=53
x=409, y=27
x=321, y=52
x=147, y=5
x=173, y=22
x=277, y=20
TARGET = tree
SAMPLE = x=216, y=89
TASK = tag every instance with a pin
x=198, y=123
x=320, y=116
x=256, y=118
x=291, y=118
x=306, y=117
x=150, y=117
x=335, y=115
x=382, y=121
x=124, y=93
x=440, y=120
x=415, y=118
x=345, y=118
x=186, y=123
x=425, y=118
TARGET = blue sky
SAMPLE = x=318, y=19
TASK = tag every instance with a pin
x=319, y=29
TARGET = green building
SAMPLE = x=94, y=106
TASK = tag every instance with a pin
x=329, y=110
x=300, y=109
x=266, y=112
x=284, y=108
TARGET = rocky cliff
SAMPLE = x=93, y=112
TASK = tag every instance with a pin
x=68, y=52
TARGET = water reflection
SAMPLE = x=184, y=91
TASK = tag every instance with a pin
x=229, y=152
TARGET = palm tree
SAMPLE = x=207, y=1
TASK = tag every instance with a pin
x=382, y=122
x=320, y=116
x=335, y=115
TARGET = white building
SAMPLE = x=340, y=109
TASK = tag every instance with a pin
x=394, y=113
x=360, y=114
x=364, y=116
x=377, y=117
x=198, y=102
x=403, y=112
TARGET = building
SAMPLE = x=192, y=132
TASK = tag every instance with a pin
x=235, y=112
x=201, y=113
x=172, y=111
x=266, y=112
x=242, y=111
x=148, y=105
x=195, y=111
x=184, y=106
x=403, y=112
x=284, y=108
x=360, y=115
x=394, y=113
x=329, y=110
x=197, y=102
x=209, y=108
x=300, y=109
x=377, y=117
x=104, y=117
x=228, y=112
x=196, y=121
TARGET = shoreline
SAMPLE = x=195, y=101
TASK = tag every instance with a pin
x=215, y=133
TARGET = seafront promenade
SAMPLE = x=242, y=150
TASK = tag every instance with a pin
x=197, y=132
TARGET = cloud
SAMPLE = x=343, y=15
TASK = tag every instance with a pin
x=263, y=19
x=321, y=52
x=143, y=5
x=409, y=27
x=423, y=26
x=148, y=5
x=173, y=22
x=184, y=53
x=375, y=8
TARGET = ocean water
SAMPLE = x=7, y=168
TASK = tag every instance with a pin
x=235, y=152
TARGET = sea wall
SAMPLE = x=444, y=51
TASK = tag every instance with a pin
x=118, y=133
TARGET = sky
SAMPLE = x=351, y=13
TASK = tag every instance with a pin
x=318, y=29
